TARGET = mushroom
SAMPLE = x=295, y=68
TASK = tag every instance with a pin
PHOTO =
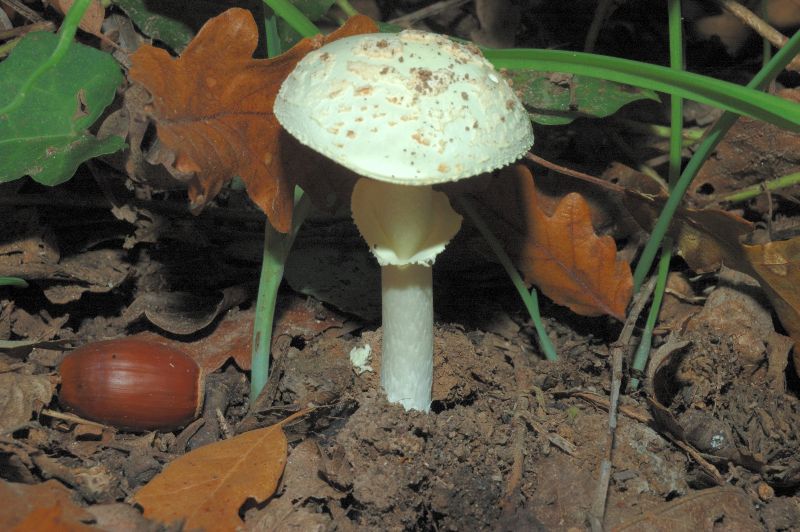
x=405, y=111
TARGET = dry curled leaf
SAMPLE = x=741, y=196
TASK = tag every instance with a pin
x=231, y=337
x=213, y=108
x=559, y=253
x=206, y=487
x=776, y=265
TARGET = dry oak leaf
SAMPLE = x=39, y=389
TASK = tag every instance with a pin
x=776, y=265
x=40, y=507
x=213, y=108
x=559, y=253
x=206, y=487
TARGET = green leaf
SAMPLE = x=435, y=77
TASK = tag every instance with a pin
x=555, y=99
x=704, y=89
x=46, y=136
x=161, y=21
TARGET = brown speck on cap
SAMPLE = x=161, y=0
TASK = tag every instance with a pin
x=464, y=96
x=383, y=43
x=350, y=134
x=442, y=168
x=509, y=104
x=324, y=56
x=365, y=90
x=420, y=139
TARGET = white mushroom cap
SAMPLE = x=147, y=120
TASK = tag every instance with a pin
x=410, y=108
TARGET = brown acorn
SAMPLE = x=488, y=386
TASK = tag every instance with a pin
x=132, y=385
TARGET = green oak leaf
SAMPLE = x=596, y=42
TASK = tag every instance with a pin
x=46, y=137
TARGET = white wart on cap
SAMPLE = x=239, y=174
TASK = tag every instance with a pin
x=410, y=108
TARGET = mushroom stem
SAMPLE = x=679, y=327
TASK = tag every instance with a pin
x=407, y=349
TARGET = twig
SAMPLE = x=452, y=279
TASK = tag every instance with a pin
x=750, y=19
x=412, y=18
x=23, y=10
x=618, y=351
x=647, y=419
x=776, y=38
x=19, y=31
x=573, y=173
x=71, y=418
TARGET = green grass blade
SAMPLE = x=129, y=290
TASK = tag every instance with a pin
x=530, y=299
x=715, y=135
x=675, y=148
x=13, y=281
x=704, y=89
x=294, y=17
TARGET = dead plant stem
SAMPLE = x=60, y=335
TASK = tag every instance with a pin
x=618, y=352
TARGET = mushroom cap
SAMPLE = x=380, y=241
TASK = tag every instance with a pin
x=412, y=108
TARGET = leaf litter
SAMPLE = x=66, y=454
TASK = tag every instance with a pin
x=507, y=444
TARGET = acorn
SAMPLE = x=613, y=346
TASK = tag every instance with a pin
x=132, y=384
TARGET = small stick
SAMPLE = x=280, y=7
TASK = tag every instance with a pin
x=19, y=31
x=71, y=418
x=23, y=10
x=412, y=18
x=776, y=38
x=618, y=350
x=750, y=19
x=573, y=173
x=647, y=419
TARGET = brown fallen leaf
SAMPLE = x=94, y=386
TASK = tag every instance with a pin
x=705, y=238
x=213, y=108
x=698, y=511
x=206, y=487
x=92, y=20
x=751, y=150
x=232, y=337
x=776, y=265
x=559, y=253
x=24, y=504
x=51, y=517
x=20, y=396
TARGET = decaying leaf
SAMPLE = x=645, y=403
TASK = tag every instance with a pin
x=206, y=487
x=20, y=395
x=181, y=312
x=213, y=108
x=561, y=254
x=751, y=150
x=21, y=501
x=699, y=511
x=777, y=267
x=705, y=238
x=231, y=338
